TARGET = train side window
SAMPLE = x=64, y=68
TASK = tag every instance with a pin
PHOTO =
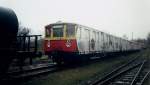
x=110, y=41
x=86, y=34
x=94, y=34
x=98, y=38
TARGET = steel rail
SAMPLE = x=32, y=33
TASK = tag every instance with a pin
x=118, y=74
x=136, y=75
x=30, y=73
x=111, y=73
x=32, y=69
x=35, y=73
x=141, y=83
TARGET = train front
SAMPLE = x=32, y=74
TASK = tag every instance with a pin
x=60, y=41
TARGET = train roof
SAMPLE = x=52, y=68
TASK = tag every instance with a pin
x=86, y=27
x=59, y=22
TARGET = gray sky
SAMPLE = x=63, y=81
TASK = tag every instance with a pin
x=117, y=17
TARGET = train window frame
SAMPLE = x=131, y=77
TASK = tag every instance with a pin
x=79, y=32
x=54, y=30
x=94, y=35
x=47, y=32
x=71, y=32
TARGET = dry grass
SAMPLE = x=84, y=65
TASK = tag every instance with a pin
x=80, y=75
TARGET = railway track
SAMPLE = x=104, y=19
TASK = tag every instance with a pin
x=33, y=71
x=132, y=73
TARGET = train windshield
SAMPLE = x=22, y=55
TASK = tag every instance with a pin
x=58, y=30
x=70, y=30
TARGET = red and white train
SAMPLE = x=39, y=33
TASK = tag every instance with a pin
x=69, y=42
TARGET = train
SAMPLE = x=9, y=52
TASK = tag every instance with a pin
x=8, y=33
x=71, y=42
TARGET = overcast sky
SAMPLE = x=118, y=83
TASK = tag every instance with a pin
x=117, y=17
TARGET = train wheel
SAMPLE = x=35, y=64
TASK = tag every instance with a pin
x=58, y=61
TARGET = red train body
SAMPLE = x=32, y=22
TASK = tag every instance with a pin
x=60, y=45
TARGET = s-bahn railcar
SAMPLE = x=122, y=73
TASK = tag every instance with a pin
x=69, y=42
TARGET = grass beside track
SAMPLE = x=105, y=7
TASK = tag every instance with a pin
x=147, y=56
x=81, y=75
x=147, y=82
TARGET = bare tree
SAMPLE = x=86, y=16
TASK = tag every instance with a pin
x=23, y=31
x=22, y=39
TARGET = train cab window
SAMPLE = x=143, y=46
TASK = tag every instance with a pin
x=70, y=30
x=58, y=30
x=48, y=32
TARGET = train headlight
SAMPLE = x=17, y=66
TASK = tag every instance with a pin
x=48, y=44
x=68, y=43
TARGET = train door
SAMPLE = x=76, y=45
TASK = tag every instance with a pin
x=97, y=43
x=87, y=35
x=102, y=41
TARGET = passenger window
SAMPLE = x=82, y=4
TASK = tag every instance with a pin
x=94, y=33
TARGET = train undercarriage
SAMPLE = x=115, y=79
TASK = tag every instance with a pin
x=76, y=57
